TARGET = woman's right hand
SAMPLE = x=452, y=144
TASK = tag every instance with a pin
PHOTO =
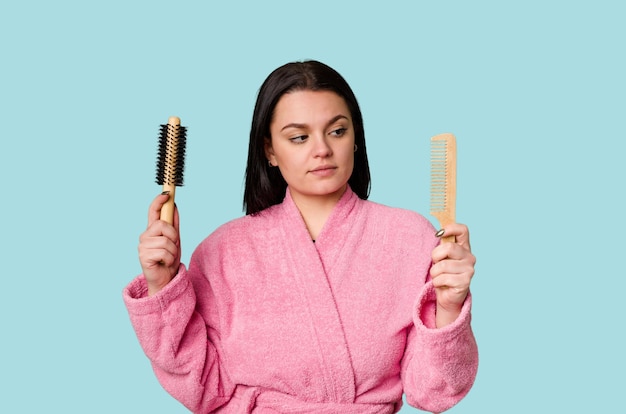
x=159, y=247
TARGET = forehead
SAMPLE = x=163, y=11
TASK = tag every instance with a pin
x=308, y=105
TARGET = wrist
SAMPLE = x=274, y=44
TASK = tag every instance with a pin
x=446, y=315
x=156, y=287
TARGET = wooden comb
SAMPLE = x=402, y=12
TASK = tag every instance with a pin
x=443, y=180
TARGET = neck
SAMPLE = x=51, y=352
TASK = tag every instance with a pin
x=315, y=210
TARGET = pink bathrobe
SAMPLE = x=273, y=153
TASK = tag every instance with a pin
x=266, y=321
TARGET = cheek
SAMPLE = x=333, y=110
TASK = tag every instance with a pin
x=289, y=158
x=347, y=161
x=351, y=163
x=290, y=162
x=348, y=154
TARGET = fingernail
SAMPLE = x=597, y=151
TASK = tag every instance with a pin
x=440, y=233
x=165, y=193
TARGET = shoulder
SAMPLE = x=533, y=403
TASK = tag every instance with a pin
x=397, y=218
x=241, y=232
x=399, y=229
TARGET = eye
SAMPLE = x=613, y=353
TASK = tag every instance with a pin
x=299, y=139
x=339, y=132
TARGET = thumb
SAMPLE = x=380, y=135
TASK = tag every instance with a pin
x=460, y=233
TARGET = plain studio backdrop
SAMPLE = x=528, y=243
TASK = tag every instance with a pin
x=534, y=92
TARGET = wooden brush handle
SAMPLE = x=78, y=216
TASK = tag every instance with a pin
x=167, y=211
x=448, y=239
x=444, y=221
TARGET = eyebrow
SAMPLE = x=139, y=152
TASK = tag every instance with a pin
x=331, y=121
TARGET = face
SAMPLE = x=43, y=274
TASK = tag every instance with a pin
x=312, y=143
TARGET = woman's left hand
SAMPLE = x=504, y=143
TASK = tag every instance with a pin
x=452, y=272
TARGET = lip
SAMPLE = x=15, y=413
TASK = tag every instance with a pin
x=323, y=170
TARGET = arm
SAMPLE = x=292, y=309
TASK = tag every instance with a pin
x=451, y=272
x=441, y=357
x=162, y=307
x=174, y=338
x=440, y=364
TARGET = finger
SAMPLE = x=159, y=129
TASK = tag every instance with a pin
x=158, y=242
x=459, y=231
x=455, y=268
x=176, y=219
x=457, y=280
x=154, y=211
x=452, y=251
x=177, y=229
x=158, y=251
x=160, y=235
x=160, y=228
x=457, y=285
x=151, y=258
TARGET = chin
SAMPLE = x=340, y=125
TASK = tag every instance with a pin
x=332, y=190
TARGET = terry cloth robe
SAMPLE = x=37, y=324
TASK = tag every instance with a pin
x=267, y=321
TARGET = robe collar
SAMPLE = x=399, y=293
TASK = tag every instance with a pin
x=336, y=220
x=312, y=264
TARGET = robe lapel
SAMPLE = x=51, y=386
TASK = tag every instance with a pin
x=311, y=280
x=331, y=242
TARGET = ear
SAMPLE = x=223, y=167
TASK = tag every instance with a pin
x=269, y=151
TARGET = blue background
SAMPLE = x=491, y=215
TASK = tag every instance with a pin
x=534, y=92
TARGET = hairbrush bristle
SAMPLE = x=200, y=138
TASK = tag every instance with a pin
x=171, y=155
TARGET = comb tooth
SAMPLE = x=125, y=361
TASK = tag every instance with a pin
x=443, y=177
x=438, y=176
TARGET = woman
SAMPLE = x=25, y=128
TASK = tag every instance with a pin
x=316, y=301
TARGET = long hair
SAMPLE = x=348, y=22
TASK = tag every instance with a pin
x=265, y=186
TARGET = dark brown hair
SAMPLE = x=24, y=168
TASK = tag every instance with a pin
x=265, y=186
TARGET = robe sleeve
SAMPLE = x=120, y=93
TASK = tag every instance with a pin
x=174, y=337
x=440, y=364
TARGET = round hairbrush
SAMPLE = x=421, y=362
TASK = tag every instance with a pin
x=171, y=163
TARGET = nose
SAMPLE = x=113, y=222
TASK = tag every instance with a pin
x=321, y=147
